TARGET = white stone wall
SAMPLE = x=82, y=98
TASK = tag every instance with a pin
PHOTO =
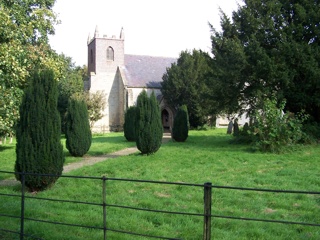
x=223, y=121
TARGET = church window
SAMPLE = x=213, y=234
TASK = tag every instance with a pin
x=91, y=56
x=110, y=54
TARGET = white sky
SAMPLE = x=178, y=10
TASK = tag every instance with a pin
x=151, y=27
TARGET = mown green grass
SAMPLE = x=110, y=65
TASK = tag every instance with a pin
x=207, y=156
x=101, y=144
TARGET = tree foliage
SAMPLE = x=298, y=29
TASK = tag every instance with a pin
x=39, y=150
x=274, y=130
x=149, y=128
x=78, y=133
x=71, y=83
x=24, y=29
x=184, y=84
x=96, y=103
x=129, y=126
x=181, y=125
x=270, y=49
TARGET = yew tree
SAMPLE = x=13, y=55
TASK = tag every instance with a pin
x=184, y=84
x=39, y=151
x=148, y=125
x=269, y=49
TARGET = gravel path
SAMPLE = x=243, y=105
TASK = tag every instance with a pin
x=91, y=160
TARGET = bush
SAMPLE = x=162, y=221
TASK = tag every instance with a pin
x=39, y=150
x=181, y=125
x=275, y=130
x=129, y=124
x=78, y=133
x=149, y=128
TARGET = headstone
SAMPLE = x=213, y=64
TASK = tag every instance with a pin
x=230, y=127
x=236, y=127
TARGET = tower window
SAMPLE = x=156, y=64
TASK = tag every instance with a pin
x=110, y=54
x=91, y=56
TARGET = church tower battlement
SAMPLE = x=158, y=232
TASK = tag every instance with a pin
x=105, y=53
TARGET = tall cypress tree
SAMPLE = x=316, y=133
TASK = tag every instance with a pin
x=149, y=128
x=39, y=150
x=78, y=133
x=129, y=124
x=181, y=125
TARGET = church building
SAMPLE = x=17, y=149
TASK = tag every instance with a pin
x=121, y=77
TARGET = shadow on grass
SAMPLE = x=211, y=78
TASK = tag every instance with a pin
x=108, y=139
x=3, y=148
x=212, y=142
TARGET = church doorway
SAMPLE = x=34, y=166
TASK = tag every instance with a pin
x=166, y=120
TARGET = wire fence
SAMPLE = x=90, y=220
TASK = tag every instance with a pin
x=206, y=215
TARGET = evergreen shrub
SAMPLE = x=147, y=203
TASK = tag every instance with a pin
x=129, y=127
x=149, y=128
x=39, y=149
x=180, y=128
x=78, y=133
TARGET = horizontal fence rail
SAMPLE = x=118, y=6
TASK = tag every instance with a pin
x=206, y=214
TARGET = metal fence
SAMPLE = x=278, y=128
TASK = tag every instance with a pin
x=206, y=215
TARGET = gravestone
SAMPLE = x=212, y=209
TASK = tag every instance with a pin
x=230, y=127
x=236, y=127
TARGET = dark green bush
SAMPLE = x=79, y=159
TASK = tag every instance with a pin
x=129, y=123
x=78, y=133
x=149, y=128
x=39, y=150
x=181, y=125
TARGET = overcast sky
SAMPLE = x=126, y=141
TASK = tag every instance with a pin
x=151, y=27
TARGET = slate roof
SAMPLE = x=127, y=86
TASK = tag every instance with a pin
x=145, y=71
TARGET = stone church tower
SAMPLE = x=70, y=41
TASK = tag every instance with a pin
x=105, y=55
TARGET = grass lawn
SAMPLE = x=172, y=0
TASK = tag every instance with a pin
x=101, y=144
x=207, y=156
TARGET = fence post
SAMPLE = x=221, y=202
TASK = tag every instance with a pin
x=104, y=197
x=22, y=206
x=207, y=211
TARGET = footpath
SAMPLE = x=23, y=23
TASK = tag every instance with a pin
x=91, y=160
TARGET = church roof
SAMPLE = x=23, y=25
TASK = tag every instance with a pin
x=145, y=71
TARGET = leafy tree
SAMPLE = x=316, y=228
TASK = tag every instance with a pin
x=24, y=29
x=96, y=103
x=129, y=126
x=184, y=84
x=270, y=49
x=181, y=125
x=149, y=128
x=78, y=133
x=39, y=150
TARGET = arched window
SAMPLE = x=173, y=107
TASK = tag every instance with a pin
x=91, y=56
x=110, y=54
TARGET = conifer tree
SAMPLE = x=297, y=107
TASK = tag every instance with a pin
x=181, y=125
x=78, y=133
x=39, y=150
x=129, y=124
x=149, y=129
